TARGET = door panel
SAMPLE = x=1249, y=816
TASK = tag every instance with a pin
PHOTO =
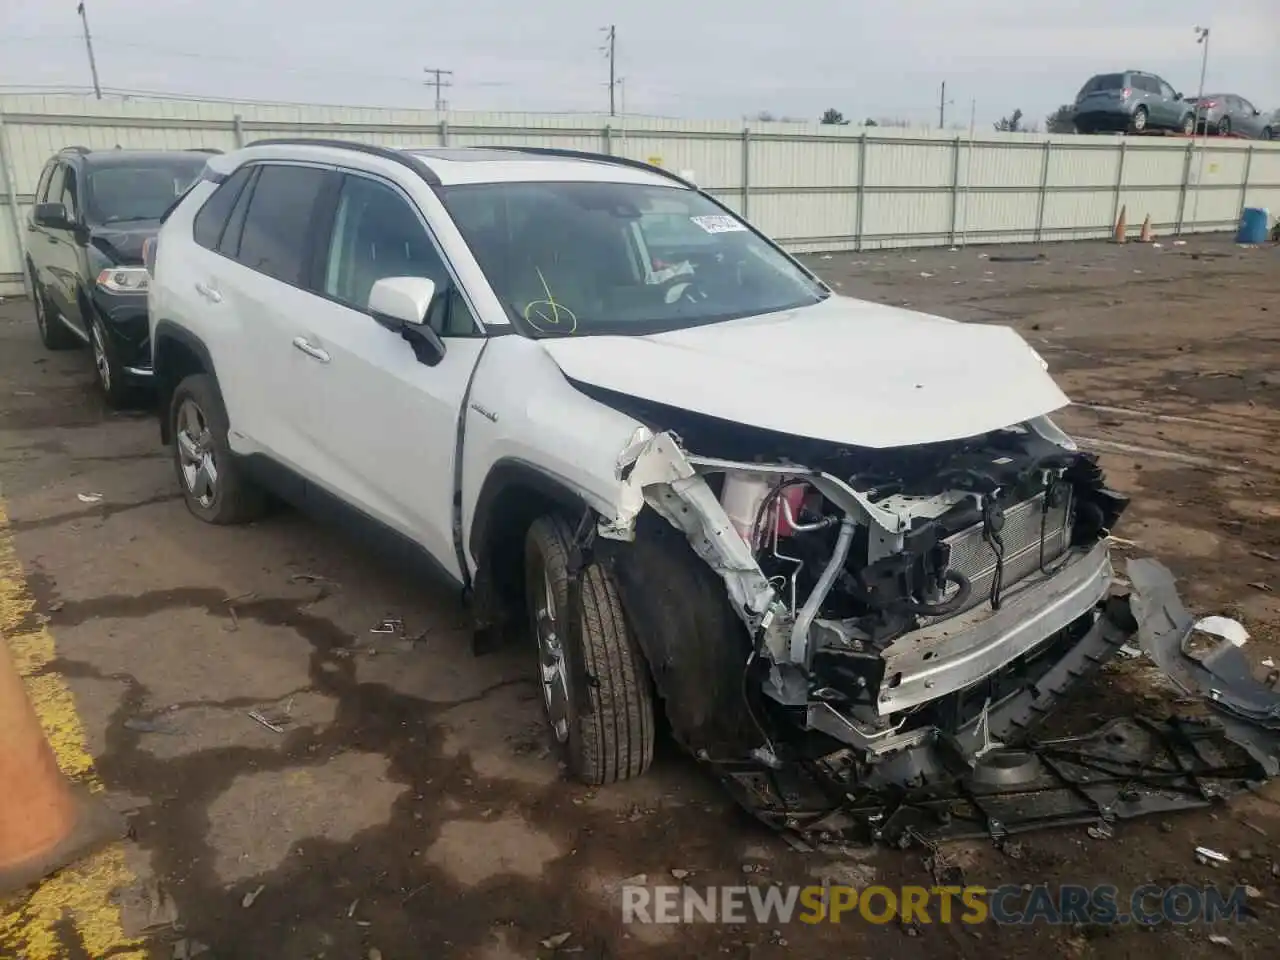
x=380, y=426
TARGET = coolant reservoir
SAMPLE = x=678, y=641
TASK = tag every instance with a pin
x=741, y=498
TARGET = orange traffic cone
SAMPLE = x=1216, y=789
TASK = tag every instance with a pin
x=1146, y=236
x=44, y=823
x=1122, y=227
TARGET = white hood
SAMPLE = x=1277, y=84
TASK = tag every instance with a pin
x=847, y=371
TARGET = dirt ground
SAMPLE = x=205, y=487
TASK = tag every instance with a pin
x=410, y=807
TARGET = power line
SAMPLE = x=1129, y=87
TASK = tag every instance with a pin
x=438, y=83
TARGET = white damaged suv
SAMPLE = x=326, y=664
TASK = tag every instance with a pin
x=644, y=441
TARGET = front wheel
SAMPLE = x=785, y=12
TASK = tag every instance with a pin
x=1268, y=134
x=106, y=364
x=606, y=728
x=1224, y=127
x=1189, y=124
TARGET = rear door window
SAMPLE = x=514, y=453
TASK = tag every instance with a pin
x=1166, y=90
x=279, y=224
x=212, y=218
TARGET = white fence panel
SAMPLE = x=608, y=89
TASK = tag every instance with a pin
x=814, y=187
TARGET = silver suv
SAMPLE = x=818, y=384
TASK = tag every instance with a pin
x=1133, y=101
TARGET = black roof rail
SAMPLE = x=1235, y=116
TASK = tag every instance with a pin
x=386, y=153
x=76, y=149
x=598, y=158
x=203, y=150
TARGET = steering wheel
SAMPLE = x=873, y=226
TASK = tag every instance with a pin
x=682, y=287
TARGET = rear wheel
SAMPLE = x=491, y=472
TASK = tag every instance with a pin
x=1224, y=127
x=606, y=730
x=53, y=334
x=1189, y=123
x=1139, y=121
x=1268, y=134
x=213, y=483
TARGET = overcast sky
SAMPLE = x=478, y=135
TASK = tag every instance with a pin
x=689, y=58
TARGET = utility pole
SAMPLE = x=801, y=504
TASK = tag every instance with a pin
x=942, y=107
x=439, y=83
x=1202, y=37
x=609, y=52
x=88, y=43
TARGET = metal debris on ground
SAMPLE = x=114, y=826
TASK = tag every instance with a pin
x=89, y=497
x=251, y=896
x=1258, y=585
x=1209, y=855
x=273, y=724
x=1129, y=767
x=388, y=625
x=559, y=940
x=1264, y=555
x=679, y=874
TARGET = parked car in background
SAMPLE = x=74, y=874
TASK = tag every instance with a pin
x=93, y=210
x=1228, y=114
x=1131, y=100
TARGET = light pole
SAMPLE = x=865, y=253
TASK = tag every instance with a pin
x=1202, y=37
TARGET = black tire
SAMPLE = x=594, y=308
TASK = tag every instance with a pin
x=234, y=498
x=1139, y=121
x=612, y=739
x=53, y=334
x=1224, y=127
x=107, y=367
x=1189, y=124
x=1268, y=133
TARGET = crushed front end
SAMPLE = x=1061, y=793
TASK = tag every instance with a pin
x=904, y=616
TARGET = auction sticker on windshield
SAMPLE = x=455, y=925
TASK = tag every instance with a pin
x=718, y=224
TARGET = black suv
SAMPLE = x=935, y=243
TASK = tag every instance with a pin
x=93, y=211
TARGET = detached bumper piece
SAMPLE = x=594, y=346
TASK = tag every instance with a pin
x=991, y=779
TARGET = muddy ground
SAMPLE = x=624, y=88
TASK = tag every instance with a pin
x=411, y=804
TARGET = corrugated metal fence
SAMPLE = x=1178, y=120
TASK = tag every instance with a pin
x=813, y=187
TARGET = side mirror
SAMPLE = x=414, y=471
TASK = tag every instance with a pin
x=1177, y=96
x=51, y=215
x=401, y=304
x=1257, y=112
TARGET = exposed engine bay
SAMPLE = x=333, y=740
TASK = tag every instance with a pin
x=896, y=620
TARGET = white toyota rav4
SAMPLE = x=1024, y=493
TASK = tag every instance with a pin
x=645, y=441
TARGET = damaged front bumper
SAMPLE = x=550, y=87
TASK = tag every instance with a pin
x=993, y=671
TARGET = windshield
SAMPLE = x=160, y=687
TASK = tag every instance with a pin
x=583, y=258
x=119, y=193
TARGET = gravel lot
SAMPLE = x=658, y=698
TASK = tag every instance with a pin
x=411, y=805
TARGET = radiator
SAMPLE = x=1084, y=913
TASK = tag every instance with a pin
x=973, y=556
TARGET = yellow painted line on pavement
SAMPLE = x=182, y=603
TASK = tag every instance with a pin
x=80, y=895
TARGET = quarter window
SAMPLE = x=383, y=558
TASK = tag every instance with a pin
x=279, y=221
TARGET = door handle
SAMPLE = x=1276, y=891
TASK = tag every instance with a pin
x=210, y=294
x=312, y=351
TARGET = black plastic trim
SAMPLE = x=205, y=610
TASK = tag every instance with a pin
x=167, y=329
x=386, y=153
x=329, y=508
x=511, y=472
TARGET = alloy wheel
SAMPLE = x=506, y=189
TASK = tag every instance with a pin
x=553, y=669
x=195, y=451
x=100, y=359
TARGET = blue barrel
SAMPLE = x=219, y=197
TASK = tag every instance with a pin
x=1253, y=226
